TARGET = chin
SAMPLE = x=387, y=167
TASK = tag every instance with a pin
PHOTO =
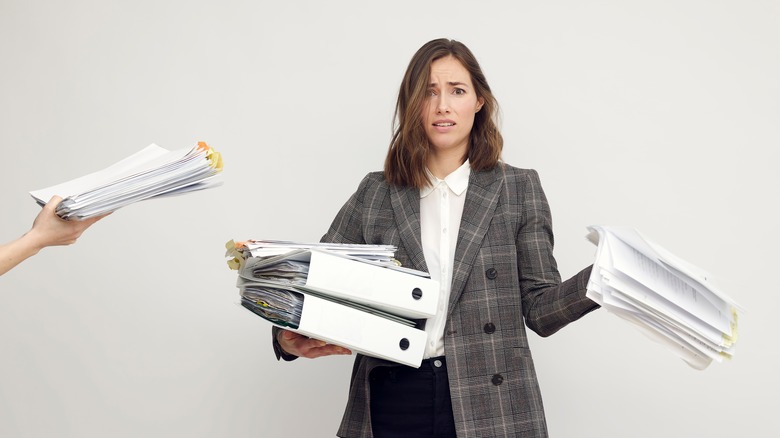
x=445, y=148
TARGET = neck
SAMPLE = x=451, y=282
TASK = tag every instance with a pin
x=442, y=164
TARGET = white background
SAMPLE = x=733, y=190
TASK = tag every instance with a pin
x=660, y=115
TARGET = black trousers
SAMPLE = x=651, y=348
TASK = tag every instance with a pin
x=412, y=403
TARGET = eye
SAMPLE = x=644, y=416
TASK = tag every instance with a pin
x=431, y=92
x=458, y=91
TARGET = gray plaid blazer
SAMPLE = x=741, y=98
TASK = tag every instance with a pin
x=504, y=279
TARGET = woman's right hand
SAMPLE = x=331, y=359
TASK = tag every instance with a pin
x=302, y=346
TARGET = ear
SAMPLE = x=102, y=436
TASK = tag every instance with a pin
x=480, y=103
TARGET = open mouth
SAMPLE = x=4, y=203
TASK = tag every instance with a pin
x=443, y=125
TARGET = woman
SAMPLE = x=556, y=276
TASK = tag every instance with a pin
x=47, y=230
x=497, y=273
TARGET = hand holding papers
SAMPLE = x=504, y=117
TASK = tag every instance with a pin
x=151, y=172
x=673, y=302
x=363, y=302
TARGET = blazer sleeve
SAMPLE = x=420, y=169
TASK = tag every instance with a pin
x=347, y=226
x=548, y=303
x=278, y=351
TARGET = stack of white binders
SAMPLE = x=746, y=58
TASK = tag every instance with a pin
x=671, y=300
x=354, y=296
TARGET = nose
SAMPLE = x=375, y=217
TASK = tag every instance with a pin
x=442, y=106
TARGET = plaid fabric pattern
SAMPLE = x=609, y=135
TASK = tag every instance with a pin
x=505, y=278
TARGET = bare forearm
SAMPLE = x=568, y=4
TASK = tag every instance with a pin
x=17, y=251
x=47, y=230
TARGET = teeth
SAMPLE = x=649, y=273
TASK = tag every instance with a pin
x=443, y=124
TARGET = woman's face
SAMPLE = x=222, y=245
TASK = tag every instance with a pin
x=448, y=113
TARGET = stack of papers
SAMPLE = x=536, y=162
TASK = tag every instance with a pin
x=151, y=172
x=267, y=248
x=672, y=301
x=355, y=296
x=280, y=306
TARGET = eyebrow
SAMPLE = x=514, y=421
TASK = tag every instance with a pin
x=452, y=84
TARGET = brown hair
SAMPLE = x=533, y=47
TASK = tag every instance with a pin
x=409, y=147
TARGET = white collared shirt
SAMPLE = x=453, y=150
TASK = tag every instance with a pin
x=441, y=208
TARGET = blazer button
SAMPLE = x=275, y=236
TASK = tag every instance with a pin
x=491, y=273
x=490, y=328
x=497, y=379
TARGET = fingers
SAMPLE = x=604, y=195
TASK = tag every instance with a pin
x=302, y=346
x=97, y=218
x=47, y=211
x=75, y=227
x=86, y=223
x=53, y=203
x=326, y=350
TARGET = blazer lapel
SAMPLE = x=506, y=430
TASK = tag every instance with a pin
x=406, y=208
x=481, y=201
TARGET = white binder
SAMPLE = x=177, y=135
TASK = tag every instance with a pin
x=404, y=292
x=360, y=331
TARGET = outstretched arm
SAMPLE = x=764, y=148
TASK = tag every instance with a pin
x=48, y=230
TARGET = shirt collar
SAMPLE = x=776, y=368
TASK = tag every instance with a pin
x=457, y=181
